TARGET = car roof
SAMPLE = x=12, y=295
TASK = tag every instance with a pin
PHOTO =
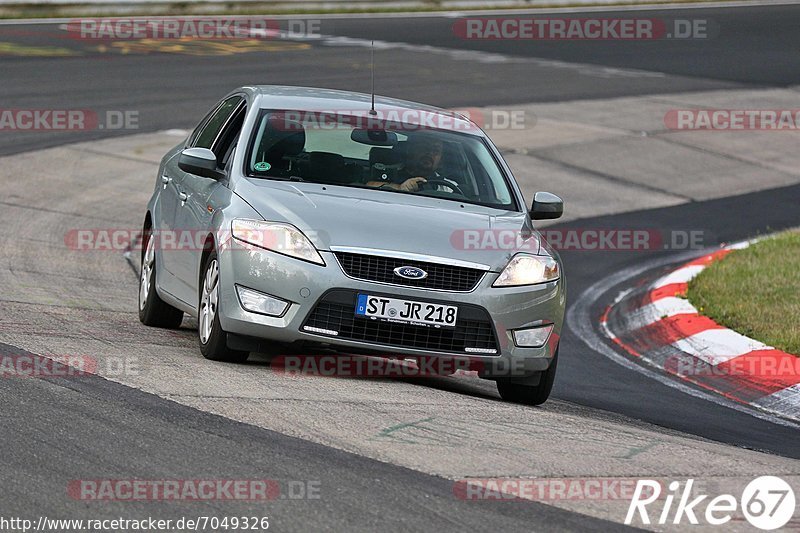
x=286, y=97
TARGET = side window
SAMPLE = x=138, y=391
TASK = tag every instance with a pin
x=212, y=127
x=227, y=140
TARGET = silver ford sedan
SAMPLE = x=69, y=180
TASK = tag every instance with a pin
x=319, y=221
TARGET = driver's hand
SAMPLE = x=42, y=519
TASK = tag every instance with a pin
x=412, y=184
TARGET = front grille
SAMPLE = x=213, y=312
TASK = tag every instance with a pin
x=336, y=312
x=381, y=269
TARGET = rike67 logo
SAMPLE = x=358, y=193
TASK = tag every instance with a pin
x=767, y=502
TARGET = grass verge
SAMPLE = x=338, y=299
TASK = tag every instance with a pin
x=756, y=291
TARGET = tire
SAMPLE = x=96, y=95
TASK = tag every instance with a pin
x=153, y=311
x=530, y=394
x=212, y=338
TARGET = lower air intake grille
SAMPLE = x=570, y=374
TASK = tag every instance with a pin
x=336, y=312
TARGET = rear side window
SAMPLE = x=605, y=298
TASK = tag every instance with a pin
x=210, y=131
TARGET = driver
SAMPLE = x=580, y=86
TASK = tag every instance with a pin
x=423, y=156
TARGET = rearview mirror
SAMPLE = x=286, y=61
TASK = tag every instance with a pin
x=374, y=137
x=201, y=162
x=546, y=206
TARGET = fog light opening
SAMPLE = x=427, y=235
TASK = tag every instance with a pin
x=532, y=337
x=258, y=302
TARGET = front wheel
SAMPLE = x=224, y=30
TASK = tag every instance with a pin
x=530, y=394
x=213, y=339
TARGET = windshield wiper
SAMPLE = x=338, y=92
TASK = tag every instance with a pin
x=280, y=178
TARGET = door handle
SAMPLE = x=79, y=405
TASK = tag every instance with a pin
x=183, y=196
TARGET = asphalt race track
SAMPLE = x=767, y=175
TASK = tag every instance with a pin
x=58, y=429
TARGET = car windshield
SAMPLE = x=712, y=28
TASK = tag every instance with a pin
x=390, y=156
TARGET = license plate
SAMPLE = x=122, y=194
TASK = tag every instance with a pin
x=406, y=311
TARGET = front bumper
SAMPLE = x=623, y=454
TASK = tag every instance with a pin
x=305, y=285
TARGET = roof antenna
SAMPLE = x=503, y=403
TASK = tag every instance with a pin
x=372, y=68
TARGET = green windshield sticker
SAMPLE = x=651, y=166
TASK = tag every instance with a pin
x=262, y=166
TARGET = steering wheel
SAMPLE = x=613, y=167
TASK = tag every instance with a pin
x=432, y=184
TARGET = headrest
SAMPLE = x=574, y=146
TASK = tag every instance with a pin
x=387, y=156
x=282, y=138
x=327, y=159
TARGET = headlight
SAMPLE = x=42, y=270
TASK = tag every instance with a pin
x=524, y=269
x=278, y=237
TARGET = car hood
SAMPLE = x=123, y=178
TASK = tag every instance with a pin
x=335, y=216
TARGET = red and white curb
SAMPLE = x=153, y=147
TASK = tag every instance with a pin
x=656, y=324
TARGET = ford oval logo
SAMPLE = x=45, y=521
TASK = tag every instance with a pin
x=409, y=272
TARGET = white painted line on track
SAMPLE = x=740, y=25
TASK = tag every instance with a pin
x=175, y=132
x=787, y=399
x=597, y=71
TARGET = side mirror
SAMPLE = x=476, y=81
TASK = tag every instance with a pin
x=201, y=162
x=546, y=206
